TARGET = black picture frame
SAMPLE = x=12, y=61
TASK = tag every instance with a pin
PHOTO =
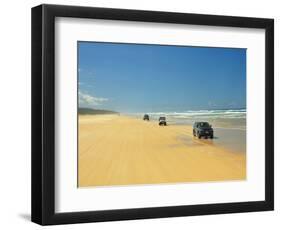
x=43, y=114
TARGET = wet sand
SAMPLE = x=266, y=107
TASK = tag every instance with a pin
x=121, y=150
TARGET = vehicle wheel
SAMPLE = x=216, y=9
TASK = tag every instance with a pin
x=194, y=133
x=212, y=136
x=198, y=135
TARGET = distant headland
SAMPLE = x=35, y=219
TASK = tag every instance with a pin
x=89, y=111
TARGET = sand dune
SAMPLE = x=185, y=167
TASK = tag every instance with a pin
x=120, y=150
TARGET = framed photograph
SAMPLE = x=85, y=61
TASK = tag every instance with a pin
x=142, y=114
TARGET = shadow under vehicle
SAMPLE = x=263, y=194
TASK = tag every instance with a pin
x=203, y=129
x=162, y=121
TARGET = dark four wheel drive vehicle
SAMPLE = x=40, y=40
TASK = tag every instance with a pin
x=203, y=129
x=162, y=121
x=146, y=117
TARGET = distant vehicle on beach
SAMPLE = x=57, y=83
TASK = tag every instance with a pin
x=146, y=117
x=203, y=129
x=162, y=121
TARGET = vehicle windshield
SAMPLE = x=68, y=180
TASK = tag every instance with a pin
x=162, y=118
x=204, y=125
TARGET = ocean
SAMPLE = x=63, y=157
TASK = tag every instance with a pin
x=223, y=118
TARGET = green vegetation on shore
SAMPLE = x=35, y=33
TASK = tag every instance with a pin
x=88, y=111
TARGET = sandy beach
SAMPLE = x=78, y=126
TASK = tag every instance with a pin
x=122, y=150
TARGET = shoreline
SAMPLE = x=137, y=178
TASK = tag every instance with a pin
x=232, y=138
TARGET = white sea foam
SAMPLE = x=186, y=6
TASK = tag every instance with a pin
x=224, y=117
x=226, y=113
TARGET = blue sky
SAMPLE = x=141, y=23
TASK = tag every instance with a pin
x=156, y=78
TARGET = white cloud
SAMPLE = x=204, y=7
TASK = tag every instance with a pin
x=89, y=100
